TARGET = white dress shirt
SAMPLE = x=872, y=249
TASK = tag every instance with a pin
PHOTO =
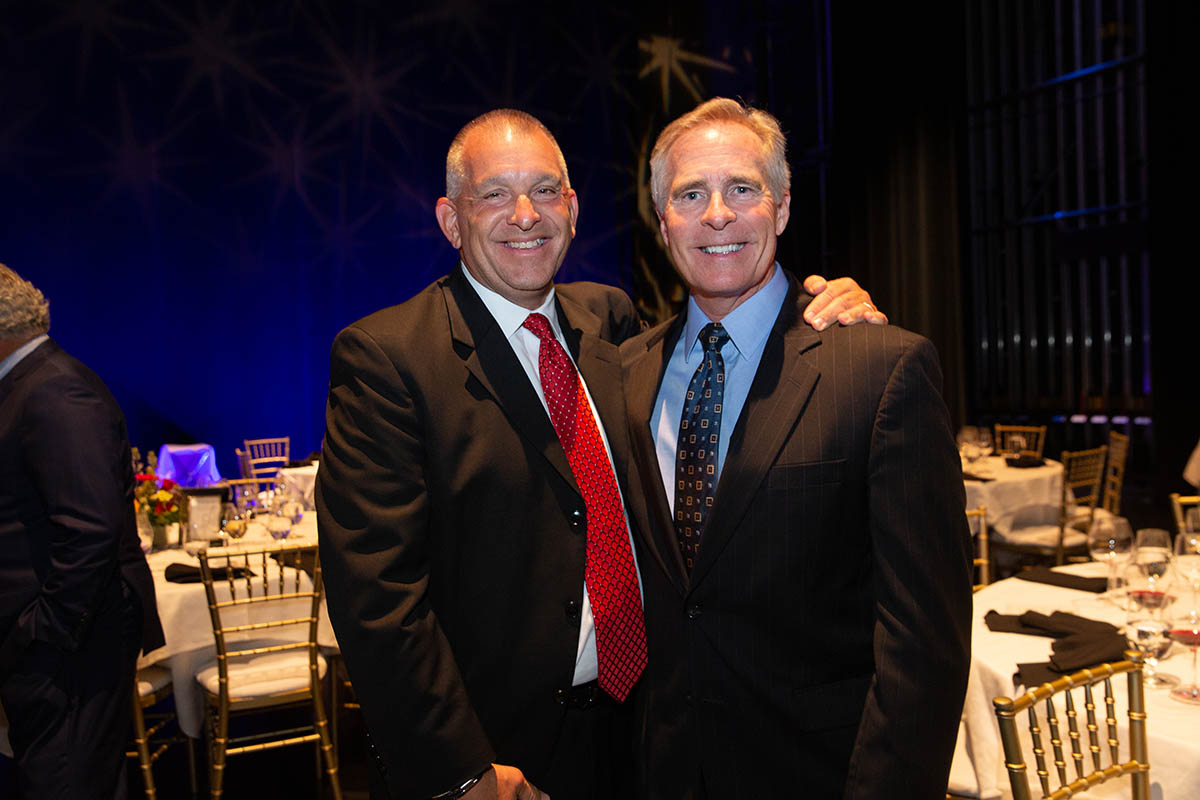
x=525, y=344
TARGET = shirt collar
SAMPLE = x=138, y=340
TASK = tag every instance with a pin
x=748, y=325
x=15, y=356
x=508, y=315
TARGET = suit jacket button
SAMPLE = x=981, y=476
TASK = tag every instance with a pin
x=577, y=519
x=572, y=609
x=561, y=696
x=689, y=699
x=693, y=611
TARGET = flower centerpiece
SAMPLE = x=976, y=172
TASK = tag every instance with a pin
x=161, y=500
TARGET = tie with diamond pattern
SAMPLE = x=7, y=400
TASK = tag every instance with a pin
x=696, y=450
x=610, y=574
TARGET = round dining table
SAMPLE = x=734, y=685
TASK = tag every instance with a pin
x=1003, y=489
x=978, y=770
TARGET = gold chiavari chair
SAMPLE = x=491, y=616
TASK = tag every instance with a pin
x=1180, y=504
x=151, y=686
x=1087, y=758
x=983, y=566
x=267, y=591
x=1020, y=440
x=265, y=456
x=1053, y=533
x=1114, y=472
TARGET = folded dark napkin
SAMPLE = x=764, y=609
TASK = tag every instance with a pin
x=971, y=476
x=1047, y=575
x=1024, y=462
x=186, y=573
x=1078, y=642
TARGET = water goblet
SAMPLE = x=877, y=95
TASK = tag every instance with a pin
x=1110, y=540
x=233, y=522
x=1151, y=638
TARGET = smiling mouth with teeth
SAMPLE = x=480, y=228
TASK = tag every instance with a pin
x=525, y=245
x=722, y=249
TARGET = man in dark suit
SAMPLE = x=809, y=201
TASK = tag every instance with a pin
x=76, y=596
x=457, y=537
x=806, y=566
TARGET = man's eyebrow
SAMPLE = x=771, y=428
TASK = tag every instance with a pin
x=505, y=182
x=744, y=179
x=732, y=180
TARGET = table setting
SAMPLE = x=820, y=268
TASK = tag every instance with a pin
x=1005, y=484
x=1141, y=592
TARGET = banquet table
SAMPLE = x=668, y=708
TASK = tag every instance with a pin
x=978, y=767
x=1010, y=488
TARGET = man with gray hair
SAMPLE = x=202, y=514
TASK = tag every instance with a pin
x=476, y=551
x=78, y=601
x=805, y=559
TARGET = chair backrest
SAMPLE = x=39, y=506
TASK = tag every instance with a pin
x=983, y=566
x=1020, y=440
x=243, y=462
x=1083, y=471
x=256, y=592
x=265, y=456
x=1114, y=472
x=1180, y=503
x=1087, y=774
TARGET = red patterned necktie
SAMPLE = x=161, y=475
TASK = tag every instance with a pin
x=610, y=576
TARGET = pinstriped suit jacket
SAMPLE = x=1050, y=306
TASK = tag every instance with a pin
x=820, y=646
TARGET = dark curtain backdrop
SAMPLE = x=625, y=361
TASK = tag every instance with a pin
x=208, y=190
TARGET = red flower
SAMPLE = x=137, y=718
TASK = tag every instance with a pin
x=168, y=484
x=160, y=508
x=143, y=477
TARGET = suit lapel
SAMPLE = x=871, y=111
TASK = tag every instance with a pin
x=781, y=388
x=490, y=360
x=644, y=372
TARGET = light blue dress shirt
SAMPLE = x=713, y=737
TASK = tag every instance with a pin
x=748, y=325
x=15, y=356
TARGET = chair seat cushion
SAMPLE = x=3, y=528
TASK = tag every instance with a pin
x=1041, y=536
x=151, y=679
x=261, y=675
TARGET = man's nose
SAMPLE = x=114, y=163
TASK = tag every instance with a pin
x=717, y=214
x=524, y=215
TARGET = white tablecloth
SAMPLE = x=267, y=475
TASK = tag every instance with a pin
x=183, y=609
x=302, y=479
x=1012, y=488
x=978, y=768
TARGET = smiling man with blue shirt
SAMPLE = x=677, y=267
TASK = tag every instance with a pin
x=805, y=559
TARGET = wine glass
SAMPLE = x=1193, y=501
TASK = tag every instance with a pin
x=1187, y=559
x=1185, y=629
x=968, y=446
x=984, y=440
x=1148, y=576
x=1110, y=540
x=1151, y=638
x=233, y=521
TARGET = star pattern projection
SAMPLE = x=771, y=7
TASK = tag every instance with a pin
x=667, y=58
x=212, y=51
x=288, y=159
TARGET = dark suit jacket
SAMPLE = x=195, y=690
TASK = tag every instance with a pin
x=452, y=530
x=67, y=525
x=821, y=645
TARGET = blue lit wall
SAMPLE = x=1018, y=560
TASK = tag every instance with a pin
x=208, y=191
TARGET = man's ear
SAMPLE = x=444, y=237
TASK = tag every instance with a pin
x=662, y=227
x=573, y=205
x=447, y=217
x=782, y=213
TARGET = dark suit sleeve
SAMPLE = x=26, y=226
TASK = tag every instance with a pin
x=69, y=440
x=373, y=511
x=922, y=586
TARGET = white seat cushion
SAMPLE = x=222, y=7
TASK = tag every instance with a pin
x=1041, y=536
x=261, y=675
x=151, y=679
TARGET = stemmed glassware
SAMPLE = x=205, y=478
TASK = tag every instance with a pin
x=233, y=521
x=1148, y=577
x=1186, y=562
x=1185, y=629
x=1110, y=540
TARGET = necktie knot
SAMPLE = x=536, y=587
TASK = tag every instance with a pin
x=713, y=337
x=539, y=326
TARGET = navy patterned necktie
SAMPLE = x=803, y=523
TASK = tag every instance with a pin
x=696, y=449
